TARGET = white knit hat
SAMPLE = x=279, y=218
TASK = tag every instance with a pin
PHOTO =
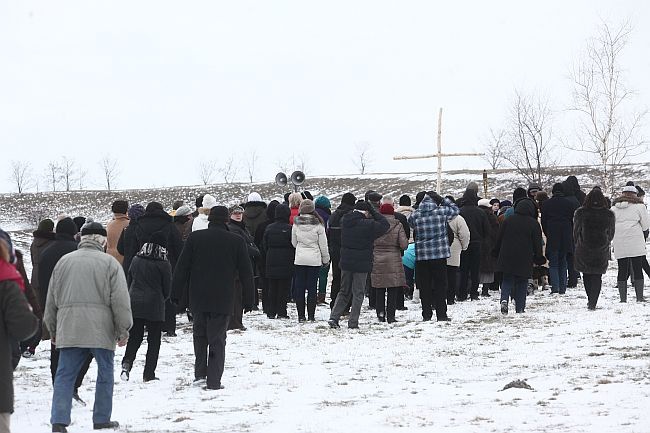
x=253, y=196
x=630, y=188
x=484, y=202
x=209, y=201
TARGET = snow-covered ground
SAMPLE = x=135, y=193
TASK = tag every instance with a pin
x=589, y=370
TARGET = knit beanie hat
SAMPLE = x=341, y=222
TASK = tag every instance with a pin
x=208, y=201
x=630, y=188
x=177, y=204
x=120, y=206
x=66, y=226
x=559, y=188
x=349, y=199
x=494, y=201
x=10, y=246
x=253, y=196
x=519, y=193
x=387, y=209
x=183, y=210
x=307, y=195
x=505, y=203
x=93, y=228
x=405, y=200
x=47, y=225
x=153, y=207
x=306, y=206
x=484, y=202
x=219, y=214
x=323, y=202
x=362, y=206
x=135, y=211
x=236, y=209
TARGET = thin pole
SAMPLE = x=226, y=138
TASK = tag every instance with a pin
x=438, y=190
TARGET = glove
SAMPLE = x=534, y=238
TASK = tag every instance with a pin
x=539, y=260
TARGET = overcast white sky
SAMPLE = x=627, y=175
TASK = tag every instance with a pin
x=161, y=85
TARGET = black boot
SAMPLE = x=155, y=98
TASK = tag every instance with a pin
x=622, y=290
x=311, y=310
x=638, y=288
x=484, y=291
x=300, y=307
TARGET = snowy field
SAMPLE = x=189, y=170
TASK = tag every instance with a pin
x=590, y=372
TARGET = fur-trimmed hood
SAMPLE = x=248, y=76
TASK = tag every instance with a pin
x=307, y=219
x=624, y=201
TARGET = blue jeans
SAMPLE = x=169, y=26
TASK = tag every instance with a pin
x=518, y=285
x=557, y=271
x=70, y=361
x=305, y=279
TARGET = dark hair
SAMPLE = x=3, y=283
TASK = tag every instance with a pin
x=595, y=199
x=405, y=200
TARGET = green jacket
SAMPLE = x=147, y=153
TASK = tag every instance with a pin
x=88, y=302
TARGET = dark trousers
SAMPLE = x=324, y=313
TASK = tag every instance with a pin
x=136, y=335
x=372, y=295
x=54, y=366
x=209, y=335
x=170, y=317
x=336, y=279
x=387, y=309
x=593, y=283
x=572, y=279
x=624, y=265
x=517, y=286
x=410, y=282
x=277, y=291
x=237, y=317
x=305, y=279
x=31, y=343
x=431, y=279
x=470, y=262
x=452, y=283
x=645, y=266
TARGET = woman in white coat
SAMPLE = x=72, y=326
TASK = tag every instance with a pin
x=629, y=240
x=310, y=241
x=458, y=226
x=201, y=221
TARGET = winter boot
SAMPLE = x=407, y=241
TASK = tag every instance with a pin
x=311, y=310
x=638, y=288
x=484, y=291
x=622, y=290
x=504, y=307
x=300, y=306
x=126, y=370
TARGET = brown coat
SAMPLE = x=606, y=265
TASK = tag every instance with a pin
x=114, y=230
x=387, y=269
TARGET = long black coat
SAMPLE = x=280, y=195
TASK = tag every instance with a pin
x=557, y=223
x=149, y=287
x=593, y=231
x=358, y=235
x=278, y=249
x=207, y=268
x=139, y=232
x=488, y=261
x=334, y=229
x=63, y=244
x=477, y=221
x=519, y=243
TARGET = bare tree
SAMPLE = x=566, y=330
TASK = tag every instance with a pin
x=67, y=167
x=529, y=148
x=283, y=165
x=301, y=162
x=494, y=148
x=207, y=171
x=607, y=129
x=228, y=169
x=109, y=168
x=362, y=157
x=251, y=162
x=83, y=174
x=21, y=175
x=53, y=174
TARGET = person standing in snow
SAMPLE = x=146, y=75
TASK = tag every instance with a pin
x=254, y=215
x=631, y=231
x=359, y=229
x=518, y=247
x=430, y=222
x=593, y=231
x=294, y=204
x=470, y=259
x=488, y=262
x=459, y=228
x=310, y=241
x=334, y=229
x=16, y=323
x=387, y=271
x=127, y=245
x=43, y=236
x=115, y=227
x=200, y=221
x=280, y=254
x=257, y=239
x=87, y=311
x=208, y=266
x=324, y=210
x=183, y=221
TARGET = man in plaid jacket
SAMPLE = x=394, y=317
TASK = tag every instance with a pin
x=429, y=224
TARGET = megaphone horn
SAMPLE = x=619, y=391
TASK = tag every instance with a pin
x=281, y=179
x=297, y=178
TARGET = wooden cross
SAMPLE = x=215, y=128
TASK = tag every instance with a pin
x=438, y=155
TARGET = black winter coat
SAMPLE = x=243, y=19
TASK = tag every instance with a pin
x=254, y=215
x=334, y=229
x=358, y=235
x=477, y=221
x=150, y=283
x=139, y=232
x=519, y=243
x=405, y=224
x=207, y=268
x=593, y=231
x=557, y=223
x=488, y=261
x=259, y=235
x=278, y=250
x=63, y=244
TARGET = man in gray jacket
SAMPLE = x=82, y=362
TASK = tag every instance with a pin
x=88, y=310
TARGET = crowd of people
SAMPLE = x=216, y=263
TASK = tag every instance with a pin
x=93, y=287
